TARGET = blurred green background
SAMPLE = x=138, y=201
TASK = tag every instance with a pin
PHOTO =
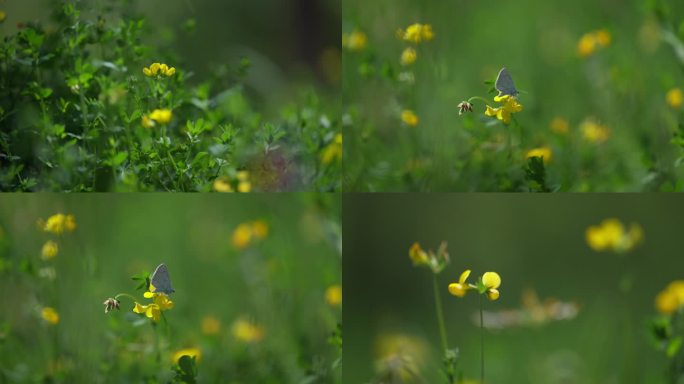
x=533, y=242
x=278, y=283
x=291, y=44
x=622, y=87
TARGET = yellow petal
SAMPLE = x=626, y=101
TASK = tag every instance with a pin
x=171, y=71
x=139, y=308
x=147, y=72
x=491, y=111
x=149, y=295
x=501, y=98
x=493, y=294
x=457, y=289
x=491, y=280
x=464, y=276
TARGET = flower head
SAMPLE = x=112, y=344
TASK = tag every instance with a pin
x=161, y=116
x=491, y=281
x=50, y=315
x=542, y=152
x=244, y=185
x=594, y=132
x=409, y=118
x=674, y=98
x=50, y=250
x=192, y=352
x=463, y=107
x=111, y=304
x=488, y=284
x=592, y=41
x=436, y=262
x=246, y=331
x=460, y=288
x=416, y=33
x=59, y=224
x=408, y=56
x=503, y=113
x=671, y=298
x=160, y=302
x=355, y=40
x=246, y=232
x=559, y=126
x=222, y=184
x=159, y=69
x=333, y=151
x=211, y=325
x=333, y=295
x=612, y=235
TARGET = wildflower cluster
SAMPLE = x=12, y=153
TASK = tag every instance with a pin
x=354, y=40
x=159, y=69
x=488, y=284
x=671, y=298
x=85, y=109
x=435, y=261
x=238, y=183
x=160, y=302
x=246, y=233
x=593, y=41
x=612, y=235
x=509, y=105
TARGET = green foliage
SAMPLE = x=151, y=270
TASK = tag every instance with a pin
x=186, y=370
x=74, y=101
x=617, y=120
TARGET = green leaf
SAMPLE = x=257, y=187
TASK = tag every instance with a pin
x=673, y=347
x=119, y=158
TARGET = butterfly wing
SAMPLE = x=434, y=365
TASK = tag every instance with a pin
x=161, y=280
x=504, y=83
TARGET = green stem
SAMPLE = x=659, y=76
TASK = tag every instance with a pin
x=440, y=314
x=481, y=342
x=126, y=295
x=478, y=98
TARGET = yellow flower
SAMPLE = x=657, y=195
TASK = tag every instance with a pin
x=461, y=288
x=244, y=185
x=222, y=184
x=211, y=325
x=50, y=315
x=611, y=235
x=674, y=97
x=354, y=41
x=543, y=152
x=503, y=113
x=161, y=116
x=417, y=254
x=592, y=41
x=416, y=33
x=151, y=310
x=259, y=229
x=409, y=117
x=245, y=232
x=242, y=236
x=59, y=223
x=146, y=122
x=492, y=281
x=333, y=295
x=3, y=16
x=594, y=132
x=157, y=68
x=671, y=298
x=560, y=126
x=160, y=302
x=247, y=332
x=193, y=351
x=50, y=250
x=408, y=56
x=333, y=151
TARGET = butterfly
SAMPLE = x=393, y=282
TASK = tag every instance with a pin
x=161, y=281
x=504, y=84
